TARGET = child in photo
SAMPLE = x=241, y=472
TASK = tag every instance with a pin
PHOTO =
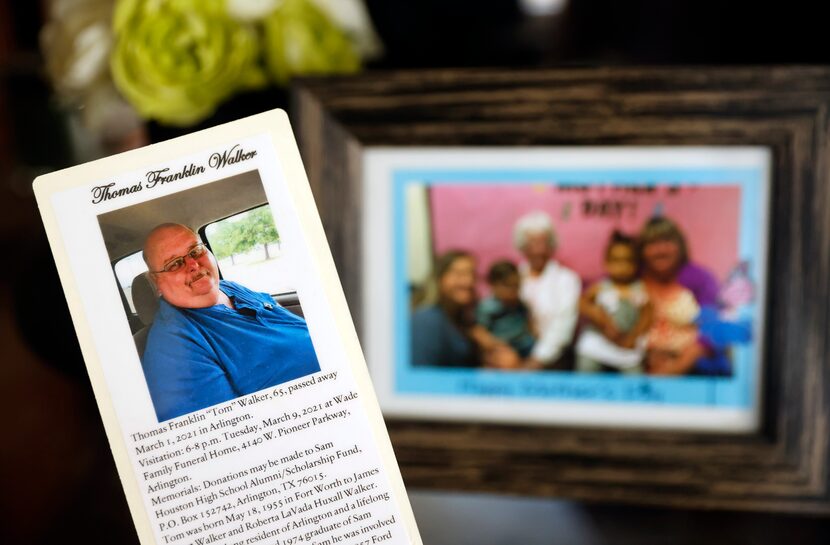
x=503, y=314
x=618, y=313
x=675, y=329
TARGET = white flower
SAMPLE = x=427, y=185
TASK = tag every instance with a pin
x=351, y=16
x=76, y=43
x=251, y=10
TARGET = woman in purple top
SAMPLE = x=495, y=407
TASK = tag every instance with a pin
x=701, y=282
x=665, y=261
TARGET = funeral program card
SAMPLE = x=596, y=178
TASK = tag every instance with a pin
x=222, y=355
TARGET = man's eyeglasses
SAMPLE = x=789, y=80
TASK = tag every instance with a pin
x=177, y=263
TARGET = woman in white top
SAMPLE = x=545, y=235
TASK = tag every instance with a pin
x=548, y=288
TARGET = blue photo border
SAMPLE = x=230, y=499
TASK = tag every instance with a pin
x=736, y=392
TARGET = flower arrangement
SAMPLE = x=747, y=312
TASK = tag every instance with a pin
x=176, y=61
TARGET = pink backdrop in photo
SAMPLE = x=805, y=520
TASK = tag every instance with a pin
x=480, y=219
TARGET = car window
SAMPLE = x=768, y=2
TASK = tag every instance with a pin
x=126, y=269
x=247, y=247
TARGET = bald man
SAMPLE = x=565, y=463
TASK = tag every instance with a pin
x=213, y=340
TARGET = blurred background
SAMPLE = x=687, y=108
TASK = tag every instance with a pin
x=76, y=83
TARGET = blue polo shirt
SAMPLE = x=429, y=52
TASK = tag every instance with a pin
x=199, y=357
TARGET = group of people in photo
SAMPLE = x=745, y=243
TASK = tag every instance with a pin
x=654, y=311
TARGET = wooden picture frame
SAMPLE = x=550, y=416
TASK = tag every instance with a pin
x=784, y=466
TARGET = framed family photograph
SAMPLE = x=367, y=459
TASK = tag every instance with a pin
x=219, y=346
x=593, y=286
x=613, y=281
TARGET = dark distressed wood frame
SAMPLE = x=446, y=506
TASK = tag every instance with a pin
x=782, y=468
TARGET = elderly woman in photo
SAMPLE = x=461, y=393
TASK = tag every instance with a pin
x=548, y=288
x=444, y=332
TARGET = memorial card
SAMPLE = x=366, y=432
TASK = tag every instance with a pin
x=224, y=361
